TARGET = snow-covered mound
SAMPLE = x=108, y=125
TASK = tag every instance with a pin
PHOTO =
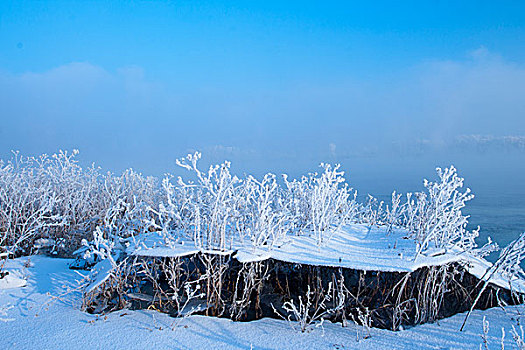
x=354, y=246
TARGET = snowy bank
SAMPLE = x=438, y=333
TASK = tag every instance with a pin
x=355, y=246
x=35, y=320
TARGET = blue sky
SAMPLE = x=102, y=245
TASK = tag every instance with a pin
x=276, y=84
x=263, y=40
x=267, y=42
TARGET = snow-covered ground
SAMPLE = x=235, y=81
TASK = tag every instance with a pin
x=45, y=314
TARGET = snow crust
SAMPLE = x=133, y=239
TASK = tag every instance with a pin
x=155, y=244
x=99, y=274
x=30, y=318
x=10, y=281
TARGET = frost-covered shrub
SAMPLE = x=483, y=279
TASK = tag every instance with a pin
x=394, y=212
x=102, y=247
x=372, y=212
x=264, y=220
x=214, y=207
x=27, y=204
x=435, y=217
x=125, y=208
x=54, y=198
x=320, y=203
x=78, y=193
x=250, y=280
x=175, y=211
x=60, y=194
x=182, y=291
x=329, y=202
x=297, y=202
x=128, y=200
x=311, y=309
x=510, y=258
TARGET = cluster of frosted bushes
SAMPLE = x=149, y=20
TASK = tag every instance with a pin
x=52, y=201
x=218, y=209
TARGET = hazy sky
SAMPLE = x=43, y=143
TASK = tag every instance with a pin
x=276, y=84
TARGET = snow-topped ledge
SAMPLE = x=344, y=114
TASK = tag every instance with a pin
x=354, y=246
x=153, y=244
